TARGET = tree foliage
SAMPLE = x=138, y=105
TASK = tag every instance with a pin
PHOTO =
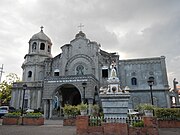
x=5, y=88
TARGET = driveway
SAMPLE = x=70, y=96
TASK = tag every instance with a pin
x=51, y=127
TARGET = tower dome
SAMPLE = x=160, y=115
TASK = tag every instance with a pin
x=41, y=36
x=80, y=34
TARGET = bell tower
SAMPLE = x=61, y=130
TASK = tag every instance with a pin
x=39, y=49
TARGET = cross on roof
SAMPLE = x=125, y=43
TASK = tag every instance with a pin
x=80, y=26
x=41, y=28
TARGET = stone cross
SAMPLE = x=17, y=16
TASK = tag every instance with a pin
x=41, y=28
x=80, y=27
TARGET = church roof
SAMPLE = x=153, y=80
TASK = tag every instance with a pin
x=41, y=36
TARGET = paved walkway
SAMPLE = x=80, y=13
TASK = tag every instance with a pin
x=169, y=131
x=55, y=127
x=51, y=127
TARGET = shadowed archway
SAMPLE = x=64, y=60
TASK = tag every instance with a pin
x=65, y=94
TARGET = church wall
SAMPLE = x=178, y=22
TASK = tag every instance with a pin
x=159, y=98
x=141, y=70
x=71, y=57
x=56, y=65
x=79, y=46
x=15, y=102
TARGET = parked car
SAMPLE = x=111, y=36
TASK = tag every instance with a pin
x=3, y=110
x=132, y=112
x=11, y=109
x=6, y=109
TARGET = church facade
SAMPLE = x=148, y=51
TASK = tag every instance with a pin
x=81, y=72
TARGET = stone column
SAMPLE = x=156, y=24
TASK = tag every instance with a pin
x=29, y=99
x=21, y=98
x=13, y=101
x=33, y=105
x=90, y=103
x=39, y=99
x=50, y=110
x=18, y=103
x=45, y=108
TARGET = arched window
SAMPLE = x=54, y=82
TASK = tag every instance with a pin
x=80, y=70
x=42, y=46
x=133, y=81
x=34, y=46
x=30, y=74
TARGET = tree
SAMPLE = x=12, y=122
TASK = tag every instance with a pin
x=5, y=88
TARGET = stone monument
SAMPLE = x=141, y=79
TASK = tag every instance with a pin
x=114, y=100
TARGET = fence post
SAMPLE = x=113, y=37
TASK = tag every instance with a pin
x=150, y=122
x=82, y=123
x=151, y=125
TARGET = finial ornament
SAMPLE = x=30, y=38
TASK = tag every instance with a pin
x=41, y=28
x=80, y=26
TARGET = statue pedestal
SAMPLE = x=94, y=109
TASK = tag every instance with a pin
x=115, y=105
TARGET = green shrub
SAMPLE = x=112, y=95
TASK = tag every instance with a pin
x=33, y=115
x=70, y=111
x=82, y=106
x=167, y=113
x=138, y=124
x=13, y=115
x=95, y=110
x=142, y=107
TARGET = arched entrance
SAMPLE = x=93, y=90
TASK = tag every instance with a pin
x=65, y=94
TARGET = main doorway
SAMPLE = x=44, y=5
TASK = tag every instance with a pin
x=65, y=94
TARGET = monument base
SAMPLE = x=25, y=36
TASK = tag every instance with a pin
x=115, y=105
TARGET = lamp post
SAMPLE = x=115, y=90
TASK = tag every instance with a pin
x=150, y=83
x=84, y=86
x=22, y=108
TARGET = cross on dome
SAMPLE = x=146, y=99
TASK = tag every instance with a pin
x=80, y=26
x=41, y=28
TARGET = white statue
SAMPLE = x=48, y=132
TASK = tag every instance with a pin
x=113, y=69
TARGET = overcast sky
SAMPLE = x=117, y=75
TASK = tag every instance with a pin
x=133, y=28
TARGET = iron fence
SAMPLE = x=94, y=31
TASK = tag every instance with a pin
x=97, y=121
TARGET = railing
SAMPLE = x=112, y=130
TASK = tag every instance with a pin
x=97, y=121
